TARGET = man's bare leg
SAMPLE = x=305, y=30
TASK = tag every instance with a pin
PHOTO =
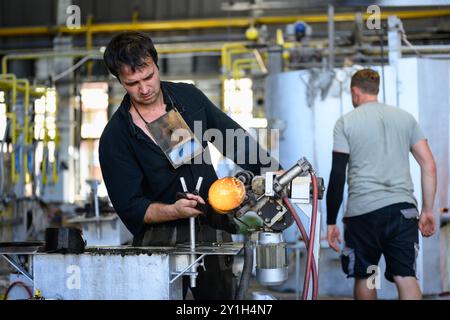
x=361, y=290
x=408, y=288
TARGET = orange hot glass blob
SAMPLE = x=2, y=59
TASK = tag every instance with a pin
x=226, y=194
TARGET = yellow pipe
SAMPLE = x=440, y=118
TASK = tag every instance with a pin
x=228, y=50
x=160, y=25
x=279, y=37
x=237, y=75
x=21, y=31
x=350, y=16
x=228, y=64
x=7, y=85
x=237, y=63
x=224, y=53
x=235, y=52
x=245, y=66
x=11, y=80
x=238, y=22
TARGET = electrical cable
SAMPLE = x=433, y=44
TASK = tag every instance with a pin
x=246, y=270
x=71, y=69
x=405, y=39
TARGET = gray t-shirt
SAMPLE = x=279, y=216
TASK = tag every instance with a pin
x=378, y=138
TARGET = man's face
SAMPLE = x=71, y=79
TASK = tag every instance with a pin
x=143, y=85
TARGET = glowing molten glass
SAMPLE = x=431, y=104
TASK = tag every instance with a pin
x=226, y=194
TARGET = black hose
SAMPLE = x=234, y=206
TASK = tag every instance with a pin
x=246, y=271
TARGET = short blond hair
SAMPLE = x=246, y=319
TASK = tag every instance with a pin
x=367, y=80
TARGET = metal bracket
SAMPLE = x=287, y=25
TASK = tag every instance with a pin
x=179, y=274
x=18, y=266
x=278, y=215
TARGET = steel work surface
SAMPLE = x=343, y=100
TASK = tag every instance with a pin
x=123, y=272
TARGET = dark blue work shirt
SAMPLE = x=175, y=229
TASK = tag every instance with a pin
x=135, y=170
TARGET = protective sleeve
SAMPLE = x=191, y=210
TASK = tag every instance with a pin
x=335, y=190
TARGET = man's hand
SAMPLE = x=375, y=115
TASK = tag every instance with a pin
x=426, y=223
x=333, y=237
x=185, y=208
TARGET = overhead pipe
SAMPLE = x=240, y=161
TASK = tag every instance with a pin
x=238, y=22
x=95, y=54
x=48, y=54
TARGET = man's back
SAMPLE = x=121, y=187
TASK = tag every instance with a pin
x=378, y=138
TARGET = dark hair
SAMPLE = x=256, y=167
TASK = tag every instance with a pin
x=129, y=48
x=367, y=80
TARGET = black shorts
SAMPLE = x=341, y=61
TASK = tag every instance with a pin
x=391, y=231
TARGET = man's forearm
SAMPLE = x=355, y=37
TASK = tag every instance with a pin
x=159, y=212
x=428, y=182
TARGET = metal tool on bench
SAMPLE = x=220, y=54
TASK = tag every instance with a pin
x=192, y=226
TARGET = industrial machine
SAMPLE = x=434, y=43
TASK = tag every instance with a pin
x=271, y=197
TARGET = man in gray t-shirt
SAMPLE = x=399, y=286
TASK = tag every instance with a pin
x=381, y=217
